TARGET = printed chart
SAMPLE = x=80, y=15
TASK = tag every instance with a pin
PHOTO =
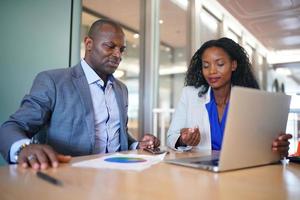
x=136, y=162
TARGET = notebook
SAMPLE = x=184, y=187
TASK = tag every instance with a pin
x=254, y=120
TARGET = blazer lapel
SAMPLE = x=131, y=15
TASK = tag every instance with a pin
x=83, y=89
x=123, y=116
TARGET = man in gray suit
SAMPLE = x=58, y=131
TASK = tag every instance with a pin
x=83, y=108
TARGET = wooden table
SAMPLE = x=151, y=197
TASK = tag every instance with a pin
x=161, y=181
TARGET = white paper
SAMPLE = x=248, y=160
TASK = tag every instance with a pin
x=102, y=163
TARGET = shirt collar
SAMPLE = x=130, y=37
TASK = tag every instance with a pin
x=92, y=76
x=207, y=95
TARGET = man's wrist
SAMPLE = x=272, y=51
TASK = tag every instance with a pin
x=134, y=145
x=20, y=149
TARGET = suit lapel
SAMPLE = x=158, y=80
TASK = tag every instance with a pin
x=83, y=89
x=123, y=116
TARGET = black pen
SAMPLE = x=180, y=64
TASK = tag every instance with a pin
x=48, y=178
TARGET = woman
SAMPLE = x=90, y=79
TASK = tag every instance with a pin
x=201, y=113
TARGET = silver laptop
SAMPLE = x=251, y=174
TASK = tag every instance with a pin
x=254, y=120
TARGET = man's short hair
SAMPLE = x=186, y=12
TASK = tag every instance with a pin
x=96, y=26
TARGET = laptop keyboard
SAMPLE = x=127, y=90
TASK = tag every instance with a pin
x=214, y=162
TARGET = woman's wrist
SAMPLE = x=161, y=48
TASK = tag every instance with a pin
x=179, y=142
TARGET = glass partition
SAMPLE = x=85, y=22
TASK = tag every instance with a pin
x=172, y=62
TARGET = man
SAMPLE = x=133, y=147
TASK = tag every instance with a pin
x=84, y=108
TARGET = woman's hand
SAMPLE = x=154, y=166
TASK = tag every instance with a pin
x=281, y=144
x=189, y=136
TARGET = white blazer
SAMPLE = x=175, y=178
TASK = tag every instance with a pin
x=191, y=112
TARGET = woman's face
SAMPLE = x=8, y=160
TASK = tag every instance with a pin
x=217, y=67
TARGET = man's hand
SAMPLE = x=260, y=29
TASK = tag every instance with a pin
x=281, y=144
x=149, y=141
x=190, y=136
x=40, y=156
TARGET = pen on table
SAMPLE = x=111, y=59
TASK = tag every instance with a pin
x=48, y=178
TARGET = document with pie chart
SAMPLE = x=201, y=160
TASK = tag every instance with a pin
x=136, y=162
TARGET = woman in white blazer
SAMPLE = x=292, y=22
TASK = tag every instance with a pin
x=200, y=116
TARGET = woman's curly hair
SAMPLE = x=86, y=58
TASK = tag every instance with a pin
x=242, y=76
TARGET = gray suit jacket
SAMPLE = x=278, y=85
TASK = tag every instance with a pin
x=60, y=102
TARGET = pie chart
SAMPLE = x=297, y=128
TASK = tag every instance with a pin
x=125, y=160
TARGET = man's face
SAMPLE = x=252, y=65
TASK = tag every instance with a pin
x=104, y=51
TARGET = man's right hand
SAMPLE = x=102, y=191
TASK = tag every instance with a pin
x=190, y=136
x=40, y=156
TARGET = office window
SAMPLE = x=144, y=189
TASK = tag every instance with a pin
x=250, y=50
x=232, y=35
x=259, y=69
x=210, y=28
x=128, y=15
x=172, y=63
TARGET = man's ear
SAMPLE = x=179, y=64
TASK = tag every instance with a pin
x=88, y=43
x=233, y=65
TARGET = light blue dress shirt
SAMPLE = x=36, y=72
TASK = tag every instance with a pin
x=106, y=112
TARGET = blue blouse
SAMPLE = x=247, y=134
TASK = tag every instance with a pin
x=216, y=127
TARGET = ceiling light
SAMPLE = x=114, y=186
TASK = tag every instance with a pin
x=161, y=21
x=291, y=40
x=136, y=35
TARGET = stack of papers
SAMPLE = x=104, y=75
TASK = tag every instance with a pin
x=120, y=161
